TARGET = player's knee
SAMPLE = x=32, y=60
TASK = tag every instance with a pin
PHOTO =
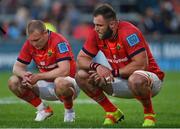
x=137, y=81
x=13, y=83
x=81, y=75
x=61, y=85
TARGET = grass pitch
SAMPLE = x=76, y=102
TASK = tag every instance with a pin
x=15, y=113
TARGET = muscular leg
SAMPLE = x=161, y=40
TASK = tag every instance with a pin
x=65, y=91
x=141, y=88
x=94, y=92
x=26, y=94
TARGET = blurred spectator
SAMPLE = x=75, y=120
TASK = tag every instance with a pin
x=169, y=18
x=22, y=17
x=13, y=31
x=65, y=27
x=2, y=31
x=73, y=15
x=68, y=16
x=149, y=20
x=82, y=31
x=57, y=12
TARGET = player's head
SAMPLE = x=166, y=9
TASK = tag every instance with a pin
x=37, y=33
x=105, y=21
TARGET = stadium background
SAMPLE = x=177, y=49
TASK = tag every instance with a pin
x=159, y=20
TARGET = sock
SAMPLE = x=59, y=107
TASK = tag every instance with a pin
x=69, y=110
x=30, y=97
x=102, y=100
x=68, y=100
x=147, y=104
x=41, y=106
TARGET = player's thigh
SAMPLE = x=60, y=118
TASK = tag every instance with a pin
x=156, y=83
x=45, y=90
x=74, y=85
x=121, y=89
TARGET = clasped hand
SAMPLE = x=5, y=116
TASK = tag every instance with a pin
x=29, y=79
x=102, y=76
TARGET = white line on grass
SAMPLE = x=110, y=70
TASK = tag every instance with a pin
x=12, y=100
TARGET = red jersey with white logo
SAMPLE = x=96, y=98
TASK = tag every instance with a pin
x=57, y=49
x=128, y=43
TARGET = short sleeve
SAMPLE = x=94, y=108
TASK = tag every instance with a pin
x=25, y=56
x=63, y=51
x=90, y=46
x=133, y=41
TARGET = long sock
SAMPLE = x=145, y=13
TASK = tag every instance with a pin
x=31, y=98
x=102, y=100
x=147, y=104
x=68, y=100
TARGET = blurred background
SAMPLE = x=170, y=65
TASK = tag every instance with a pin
x=159, y=21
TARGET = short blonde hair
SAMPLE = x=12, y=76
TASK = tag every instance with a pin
x=35, y=25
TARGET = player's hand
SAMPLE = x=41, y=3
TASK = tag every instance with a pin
x=34, y=78
x=105, y=72
x=94, y=77
x=97, y=80
x=26, y=80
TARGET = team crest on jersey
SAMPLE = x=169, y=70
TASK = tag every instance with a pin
x=63, y=47
x=50, y=52
x=105, y=46
x=118, y=47
x=133, y=39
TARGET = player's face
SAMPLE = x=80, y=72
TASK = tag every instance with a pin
x=102, y=27
x=38, y=39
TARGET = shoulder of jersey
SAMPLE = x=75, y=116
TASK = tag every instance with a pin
x=125, y=24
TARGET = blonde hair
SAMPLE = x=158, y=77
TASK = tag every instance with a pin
x=35, y=25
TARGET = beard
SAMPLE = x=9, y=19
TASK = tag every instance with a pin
x=107, y=34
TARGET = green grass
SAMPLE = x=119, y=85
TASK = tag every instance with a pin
x=21, y=115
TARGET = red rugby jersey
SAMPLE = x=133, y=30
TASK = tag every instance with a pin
x=119, y=52
x=57, y=49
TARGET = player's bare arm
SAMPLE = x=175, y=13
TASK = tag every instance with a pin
x=139, y=62
x=83, y=61
x=19, y=69
x=62, y=71
x=101, y=72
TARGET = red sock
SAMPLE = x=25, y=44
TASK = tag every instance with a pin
x=102, y=100
x=30, y=97
x=147, y=104
x=68, y=100
x=148, y=107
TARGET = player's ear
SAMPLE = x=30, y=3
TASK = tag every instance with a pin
x=45, y=32
x=112, y=24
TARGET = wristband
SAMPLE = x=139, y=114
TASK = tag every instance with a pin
x=115, y=72
x=93, y=65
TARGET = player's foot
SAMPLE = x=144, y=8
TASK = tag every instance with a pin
x=149, y=120
x=113, y=117
x=43, y=114
x=69, y=116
